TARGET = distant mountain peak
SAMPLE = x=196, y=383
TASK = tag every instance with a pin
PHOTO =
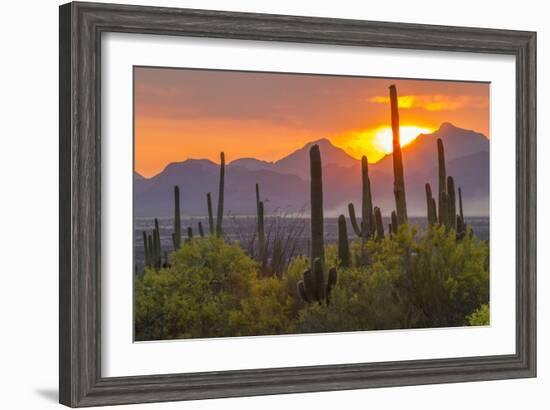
x=321, y=142
x=447, y=126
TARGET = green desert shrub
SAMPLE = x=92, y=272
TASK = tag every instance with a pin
x=207, y=279
x=480, y=317
x=410, y=282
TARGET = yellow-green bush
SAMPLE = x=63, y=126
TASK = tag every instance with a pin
x=213, y=289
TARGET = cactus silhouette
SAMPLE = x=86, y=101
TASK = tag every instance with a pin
x=316, y=200
x=211, y=230
x=219, y=217
x=430, y=205
x=366, y=227
x=393, y=223
x=146, y=250
x=312, y=288
x=379, y=224
x=398, y=174
x=451, y=198
x=343, y=243
x=442, y=180
x=460, y=225
x=260, y=225
x=201, y=229
x=176, y=236
x=444, y=210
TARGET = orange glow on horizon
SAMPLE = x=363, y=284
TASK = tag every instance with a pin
x=377, y=142
x=384, y=136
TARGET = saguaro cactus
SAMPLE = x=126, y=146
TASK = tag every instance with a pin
x=176, y=235
x=398, y=174
x=460, y=225
x=260, y=224
x=312, y=288
x=444, y=210
x=156, y=246
x=343, y=243
x=394, y=223
x=189, y=233
x=430, y=205
x=451, y=198
x=211, y=228
x=366, y=227
x=219, y=217
x=316, y=200
x=146, y=250
x=442, y=179
x=201, y=229
x=379, y=225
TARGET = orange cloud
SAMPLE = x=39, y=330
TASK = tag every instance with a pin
x=437, y=102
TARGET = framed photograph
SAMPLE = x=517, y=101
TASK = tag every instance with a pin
x=262, y=204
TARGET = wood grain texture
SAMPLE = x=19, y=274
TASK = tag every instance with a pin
x=81, y=26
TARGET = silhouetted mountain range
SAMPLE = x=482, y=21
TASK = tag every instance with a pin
x=284, y=184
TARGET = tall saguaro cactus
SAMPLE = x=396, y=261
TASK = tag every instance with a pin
x=398, y=174
x=343, y=243
x=211, y=229
x=316, y=200
x=146, y=250
x=451, y=198
x=219, y=217
x=430, y=205
x=366, y=227
x=442, y=180
x=260, y=223
x=379, y=224
x=176, y=235
x=393, y=224
x=460, y=225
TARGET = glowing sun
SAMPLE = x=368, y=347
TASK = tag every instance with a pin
x=383, y=136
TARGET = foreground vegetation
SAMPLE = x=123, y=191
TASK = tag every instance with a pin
x=213, y=289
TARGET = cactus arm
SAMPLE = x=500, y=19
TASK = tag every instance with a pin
x=302, y=291
x=353, y=220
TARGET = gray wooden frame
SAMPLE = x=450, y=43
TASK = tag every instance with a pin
x=81, y=27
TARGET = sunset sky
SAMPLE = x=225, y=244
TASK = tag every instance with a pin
x=186, y=113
